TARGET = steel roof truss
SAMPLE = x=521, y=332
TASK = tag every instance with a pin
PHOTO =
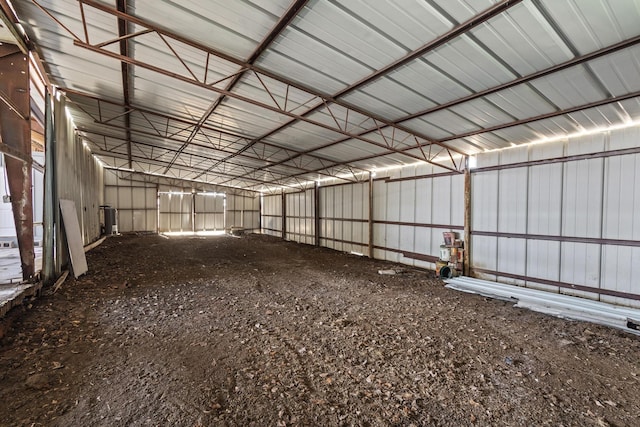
x=194, y=80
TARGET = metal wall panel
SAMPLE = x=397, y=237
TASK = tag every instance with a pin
x=484, y=254
x=406, y=208
x=622, y=198
x=580, y=264
x=243, y=211
x=582, y=202
x=558, y=222
x=209, y=214
x=512, y=198
x=271, y=215
x=543, y=261
x=300, y=217
x=512, y=258
x=484, y=201
x=620, y=272
x=135, y=201
x=343, y=215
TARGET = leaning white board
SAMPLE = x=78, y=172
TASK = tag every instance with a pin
x=74, y=238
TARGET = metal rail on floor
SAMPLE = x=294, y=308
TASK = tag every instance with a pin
x=564, y=306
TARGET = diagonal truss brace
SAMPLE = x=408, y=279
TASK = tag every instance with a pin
x=189, y=78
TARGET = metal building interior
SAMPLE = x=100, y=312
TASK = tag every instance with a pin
x=367, y=127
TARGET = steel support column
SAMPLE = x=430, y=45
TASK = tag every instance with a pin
x=316, y=212
x=50, y=199
x=15, y=127
x=284, y=215
x=370, y=214
x=467, y=218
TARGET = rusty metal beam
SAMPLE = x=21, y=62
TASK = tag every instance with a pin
x=10, y=21
x=434, y=44
x=525, y=79
x=9, y=151
x=190, y=122
x=208, y=50
x=545, y=116
x=453, y=33
x=522, y=80
x=282, y=23
x=15, y=130
x=123, y=33
x=248, y=101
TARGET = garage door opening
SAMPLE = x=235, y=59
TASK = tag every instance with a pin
x=191, y=213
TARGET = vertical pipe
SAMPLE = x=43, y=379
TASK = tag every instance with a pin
x=467, y=218
x=284, y=215
x=193, y=212
x=563, y=172
x=316, y=212
x=48, y=260
x=370, y=214
x=526, y=218
x=605, y=169
x=61, y=143
x=260, y=201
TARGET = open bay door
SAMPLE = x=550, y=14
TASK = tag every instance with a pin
x=209, y=211
x=187, y=212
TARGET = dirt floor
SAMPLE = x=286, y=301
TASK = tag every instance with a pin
x=254, y=331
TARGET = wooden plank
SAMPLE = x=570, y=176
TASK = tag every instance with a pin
x=74, y=237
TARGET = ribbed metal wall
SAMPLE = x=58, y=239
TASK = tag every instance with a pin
x=271, y=214
x=209, y=212
x=571, y=221
x=300, y=217
x=344, y=217
x=243, y=211
x=412, y=207
x=79, y=176
x=135, y=201
x=560, y=216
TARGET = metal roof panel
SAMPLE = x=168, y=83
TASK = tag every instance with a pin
x=569, y=88
x=524, y=39
x=236, y=27
x=591, y=25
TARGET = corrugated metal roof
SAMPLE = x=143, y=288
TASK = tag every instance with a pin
x=253, y=92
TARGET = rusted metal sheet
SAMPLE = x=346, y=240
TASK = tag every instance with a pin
x=15, y=128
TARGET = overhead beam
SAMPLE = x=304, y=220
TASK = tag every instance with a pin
x=324, y=99
x=522, y=80
x=454, y=32
x=242, y=153
x=280, y=25
x=123, y=33
x=528, y=78
x=441, y=40
x=528, y=120
x=255, y=169
x=192, y=169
